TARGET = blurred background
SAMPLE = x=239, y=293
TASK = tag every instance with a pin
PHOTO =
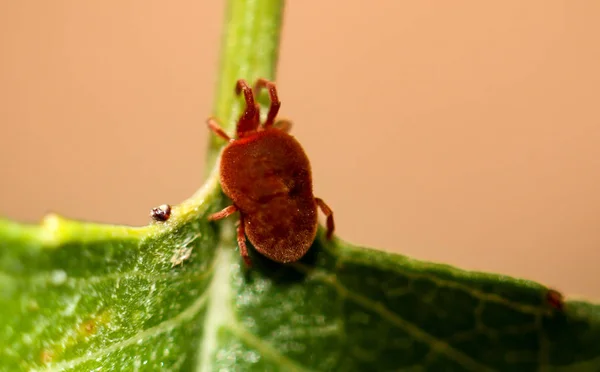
x=460, y=132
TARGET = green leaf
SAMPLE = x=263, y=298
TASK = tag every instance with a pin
x=79, y=296
x=84, y=296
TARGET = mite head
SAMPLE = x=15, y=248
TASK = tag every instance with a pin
x=249, y=121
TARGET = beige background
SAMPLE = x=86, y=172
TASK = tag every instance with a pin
x=460, y=132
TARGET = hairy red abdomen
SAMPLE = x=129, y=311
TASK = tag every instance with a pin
x=267, y=176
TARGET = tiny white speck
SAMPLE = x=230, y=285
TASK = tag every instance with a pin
x=251, y=357
x=58, y=277
x=71, y=306
x=27, y=339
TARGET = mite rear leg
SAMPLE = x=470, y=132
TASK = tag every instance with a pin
x=284, y=125
x=275, y=103
x=329, y=214
x=241, y=234
x=216, y=128
x=226, y=212
x=250, y=118
x=241, y=240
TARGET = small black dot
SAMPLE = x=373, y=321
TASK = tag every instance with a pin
x=161, y=213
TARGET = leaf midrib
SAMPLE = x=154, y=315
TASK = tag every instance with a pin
x=218, y=311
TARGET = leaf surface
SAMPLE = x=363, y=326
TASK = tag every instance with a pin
x=80, y=296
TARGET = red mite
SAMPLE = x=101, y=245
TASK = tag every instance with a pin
x=161, y=213
x=267, y=175
x=555, y=299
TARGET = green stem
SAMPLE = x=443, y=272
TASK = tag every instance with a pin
x=249, y=50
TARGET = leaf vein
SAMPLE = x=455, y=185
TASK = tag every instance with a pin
x=266, y=349
x=163, y=327
x=435, y=343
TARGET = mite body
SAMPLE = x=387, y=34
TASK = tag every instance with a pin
x=161, y=213
x=267, y=175
x=555, y=299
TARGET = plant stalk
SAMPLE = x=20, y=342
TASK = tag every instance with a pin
x=249, y=50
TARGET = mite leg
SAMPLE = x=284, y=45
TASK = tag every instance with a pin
x=329, y=213
x=241, y=239
x=216, y=128
x=226, y=212
x=275, y=103
x=284, y=125
x=250, y=118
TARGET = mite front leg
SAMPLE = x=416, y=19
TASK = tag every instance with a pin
x=329, y=214
x=216, y=128
x=275, y=103
x=226, y=212
x=241, y=240
x=250, y=118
